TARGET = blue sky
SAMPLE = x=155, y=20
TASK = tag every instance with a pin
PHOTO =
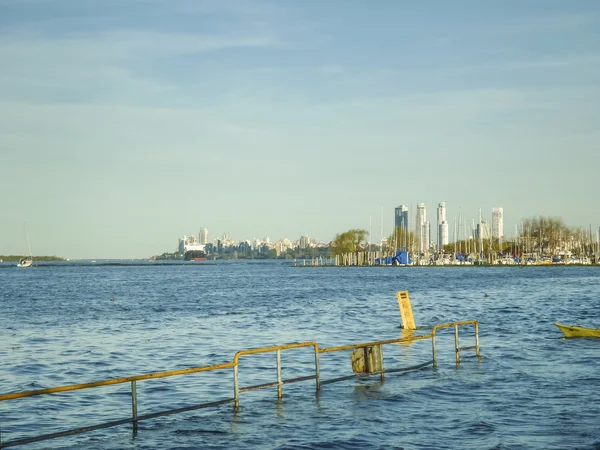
x=126, y=124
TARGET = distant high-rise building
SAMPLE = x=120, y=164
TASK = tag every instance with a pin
x=426, y=236
x=442, y=225
x=420, y=230
x=203, y=236
x=401, y=218
x=483, y=230
x=304, y=241
x=443, y=234
x=497, y=223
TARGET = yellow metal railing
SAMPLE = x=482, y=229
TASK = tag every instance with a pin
x=135, y=418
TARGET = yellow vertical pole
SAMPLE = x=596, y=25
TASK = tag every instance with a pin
x=236, y=388
x=477, y=340
x=134, y=407
x=456, y=344
x=279, y=380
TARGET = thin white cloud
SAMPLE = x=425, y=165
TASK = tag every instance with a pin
x=107, y=67
x=123, y=45
x=551, y=23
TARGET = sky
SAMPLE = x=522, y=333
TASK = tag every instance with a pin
x=125, y=125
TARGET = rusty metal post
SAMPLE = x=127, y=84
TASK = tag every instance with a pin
x=236, y=388
x=477, y=340
x=456, y=344
x=134, y=406
x=279, y=382
x=317, y=368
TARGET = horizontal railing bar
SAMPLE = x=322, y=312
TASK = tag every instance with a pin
x=295, y=380
x=254, y=351
x=370, y=344
x=275, y=383
x=258, y=386
x=75, y=387
x=361, y=375
x=112, y=424
x=65, y=433
x=335, y=380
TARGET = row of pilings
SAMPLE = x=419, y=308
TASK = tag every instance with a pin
x=345, y=259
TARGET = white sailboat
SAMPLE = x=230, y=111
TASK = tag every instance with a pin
x=28, y=260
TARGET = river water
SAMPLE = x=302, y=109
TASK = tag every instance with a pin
x=74, y=323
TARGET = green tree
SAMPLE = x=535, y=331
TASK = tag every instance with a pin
x=348, y=242
x=545, y=234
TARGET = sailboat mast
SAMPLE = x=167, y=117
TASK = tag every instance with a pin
x=480, y=237
x=27, y=237
x=381, y=233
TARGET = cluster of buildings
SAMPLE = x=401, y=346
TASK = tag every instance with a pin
x=413, y=232
x=225, y=245
x=417, y=234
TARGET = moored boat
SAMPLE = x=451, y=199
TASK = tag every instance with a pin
x=25, y=262
x=28, y=260
x=572, y=331
x=194, y=255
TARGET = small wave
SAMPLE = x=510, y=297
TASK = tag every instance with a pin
x=192, y=432
x=480, y=428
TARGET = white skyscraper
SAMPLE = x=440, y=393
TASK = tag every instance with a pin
x=426, y=236
x=420, y=230
x=203, y=236
x=442, y=225
x=497, y=223
x=483, y=230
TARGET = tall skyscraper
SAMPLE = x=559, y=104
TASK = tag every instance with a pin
x=497, y=223
x=483, y=230
x=203, y=236
x=304, y=241
x=420, y=230
x=442, y=225
x=401, y=218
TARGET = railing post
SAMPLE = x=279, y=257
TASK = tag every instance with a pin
x=433, y=349
x=134, y=408
x=317, y=368
x=456, y=344
x=477, y=340
x=236, y=388
x=279, y=382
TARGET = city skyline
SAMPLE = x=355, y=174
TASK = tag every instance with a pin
x=462, y=226
x=125, y=124
x=465, y=227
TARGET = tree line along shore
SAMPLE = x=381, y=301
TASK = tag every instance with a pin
x=17, y=258
x=538, y=240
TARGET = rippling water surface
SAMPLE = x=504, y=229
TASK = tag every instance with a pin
x=60, y=325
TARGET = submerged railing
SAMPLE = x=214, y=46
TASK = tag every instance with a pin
x=373, y=365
